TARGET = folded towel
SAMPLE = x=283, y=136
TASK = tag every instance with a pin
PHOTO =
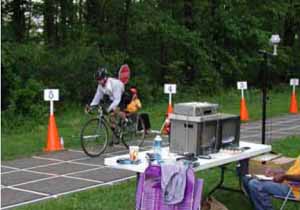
x=173, y=182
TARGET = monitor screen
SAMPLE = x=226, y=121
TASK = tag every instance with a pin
x=229, y=132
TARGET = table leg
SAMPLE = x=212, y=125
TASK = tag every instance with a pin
x=221, y=182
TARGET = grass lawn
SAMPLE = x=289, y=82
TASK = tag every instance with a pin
x=122, y=196
x=29, y=139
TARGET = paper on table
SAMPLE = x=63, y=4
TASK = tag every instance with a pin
x=263, y=177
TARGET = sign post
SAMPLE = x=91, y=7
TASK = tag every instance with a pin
x=51, y=95
x=53, y=141
x=294, y=82
x=264, y=68
x=242, y=85
x=168, y=89
x=293, y=104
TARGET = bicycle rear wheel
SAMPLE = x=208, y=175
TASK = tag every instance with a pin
x=134, y=131
x=94, y=137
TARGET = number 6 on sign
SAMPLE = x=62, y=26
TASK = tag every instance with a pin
x=51, y=95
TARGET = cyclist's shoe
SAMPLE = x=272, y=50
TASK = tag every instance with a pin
x=110, y=143
x=114, y=140
x=115, y=137
x=123, y=123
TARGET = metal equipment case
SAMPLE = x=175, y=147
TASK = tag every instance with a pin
x=205, y=134
x=195, y=108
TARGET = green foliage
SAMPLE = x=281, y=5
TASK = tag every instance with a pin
x=219, y=47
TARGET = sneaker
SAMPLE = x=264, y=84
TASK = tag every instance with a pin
x=123, y=122
x=115, y=139
x=110, y=143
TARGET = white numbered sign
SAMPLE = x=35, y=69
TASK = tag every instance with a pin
x=170, y=88
x=294, y=82
x=242, y=85
x=51, y=94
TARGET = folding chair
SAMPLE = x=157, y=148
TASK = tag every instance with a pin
x=149, y=193
x=287, y=197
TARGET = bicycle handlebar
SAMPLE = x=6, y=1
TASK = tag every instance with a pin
x=99, y=108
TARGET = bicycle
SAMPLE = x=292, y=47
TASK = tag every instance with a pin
x=95, y=133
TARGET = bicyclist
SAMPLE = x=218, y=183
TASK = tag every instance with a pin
x=111, y=87
x=114, y=89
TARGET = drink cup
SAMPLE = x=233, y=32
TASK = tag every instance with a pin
x=133, y=153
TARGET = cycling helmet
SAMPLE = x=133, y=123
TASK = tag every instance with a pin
x=101, y=73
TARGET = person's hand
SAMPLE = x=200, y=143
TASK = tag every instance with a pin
x=279, y=178
x=110, y=112
x=87, y=108
x=273, y=172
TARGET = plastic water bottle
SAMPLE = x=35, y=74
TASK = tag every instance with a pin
x=157, y=147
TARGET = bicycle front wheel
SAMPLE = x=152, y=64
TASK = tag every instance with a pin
x=94, y=137
x=134, y=131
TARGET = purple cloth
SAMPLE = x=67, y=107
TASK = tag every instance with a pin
x=149, y=194
x=173, y=182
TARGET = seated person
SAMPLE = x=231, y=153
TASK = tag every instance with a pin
x=135, y=103
x=261, y=192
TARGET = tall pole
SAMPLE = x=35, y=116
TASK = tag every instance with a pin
x=264, y=69
x=275, y=39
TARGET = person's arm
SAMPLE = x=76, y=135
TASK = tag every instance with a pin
x=274, y=172
x=138, y=103
x=287, y=177
x=98, y=96
x=117, y=95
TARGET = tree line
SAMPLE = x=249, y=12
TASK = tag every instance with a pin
x=203, y=46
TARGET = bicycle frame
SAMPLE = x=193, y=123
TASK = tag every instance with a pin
x=103, y=117
x=94, y=144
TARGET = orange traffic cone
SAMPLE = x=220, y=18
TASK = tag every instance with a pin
x=169, y=110
x=167, y=123
x=293, y=104
x=53, y=141
x=243, y=110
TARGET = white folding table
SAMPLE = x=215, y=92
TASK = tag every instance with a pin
x=219, y=159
